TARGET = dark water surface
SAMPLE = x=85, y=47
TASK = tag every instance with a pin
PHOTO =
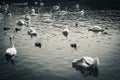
x=54, y=60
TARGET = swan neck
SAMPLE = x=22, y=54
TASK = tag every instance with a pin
x=12, y=43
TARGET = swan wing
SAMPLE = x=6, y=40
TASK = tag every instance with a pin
x=89, y=60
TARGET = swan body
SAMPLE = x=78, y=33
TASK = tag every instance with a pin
x=62, y=12
x=47, y=20
x=82, y=12
x=33, y=12
x=11, y=52
x=46, y=15
x=66, y=29
x=21, y=22
x=26, y=17
x=86, y=62
x=87, y=65
x=58, y=25
x=96, y=29
x=32, y=31
x=9, y=14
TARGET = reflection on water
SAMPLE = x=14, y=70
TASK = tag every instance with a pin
x=53, y=61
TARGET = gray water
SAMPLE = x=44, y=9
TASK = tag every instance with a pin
x=54, y=60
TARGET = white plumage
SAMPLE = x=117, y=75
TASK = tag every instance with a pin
x=62, y=13
x=96, y=28
x=82, y=12
x=33, y=12
x=86, y=62
x=26, y=17
x=32, y=31
x=11, y=52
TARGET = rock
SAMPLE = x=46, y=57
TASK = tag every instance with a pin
x=6, y=28
x=74, y=45
x=96, y=29
x=38, y=44
x=17, y=29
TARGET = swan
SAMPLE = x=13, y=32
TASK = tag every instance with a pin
x=47, y=20
x=21, y=22
x=66, y=31
x=62, y=13
x=82, y=12
x=87, y=64
x=32, y=32
x=96, y=29
x=46, y=15
x=11, y=52
x=58, y=25
x=33, y=12
x=9, y=14
x=26, y=17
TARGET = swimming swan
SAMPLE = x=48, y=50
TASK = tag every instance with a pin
x=87, y=65
x=11, y=52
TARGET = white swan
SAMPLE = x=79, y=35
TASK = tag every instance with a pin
x=32, y=32
x=9, y=14
x=46, y=15
x=21, y=22
x=87, y=64
x=66, y=31
x=62, y=13
x=47, y=20
x=58, y=25
x=96, y=29
x=11, y=52
x=33, y=12
x=82, y=12
x=26, y=17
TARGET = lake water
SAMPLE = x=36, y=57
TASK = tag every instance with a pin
x=53, y=61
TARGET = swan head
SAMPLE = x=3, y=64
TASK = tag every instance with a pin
x=12, y=36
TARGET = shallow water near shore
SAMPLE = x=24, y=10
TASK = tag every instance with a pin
x=53, y=61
